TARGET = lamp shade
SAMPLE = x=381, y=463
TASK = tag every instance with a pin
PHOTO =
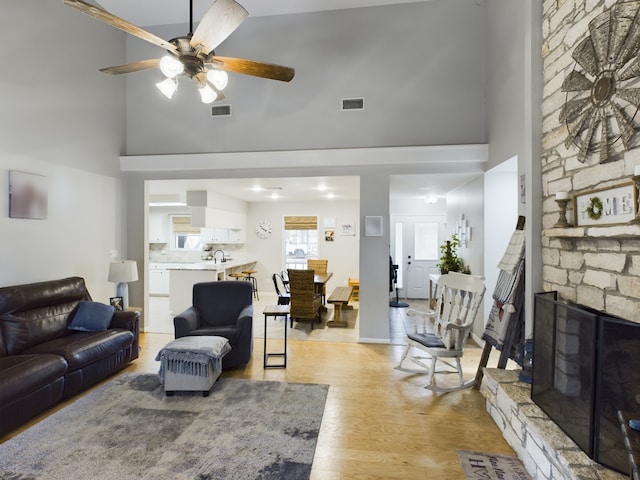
x=123, y=271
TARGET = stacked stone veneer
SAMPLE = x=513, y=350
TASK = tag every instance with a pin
x=598, y=266
x=545, y=450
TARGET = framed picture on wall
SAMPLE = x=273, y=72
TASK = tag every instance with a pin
x=373, y=226
x=329, y=222
x=27, y=195
x=347, y=228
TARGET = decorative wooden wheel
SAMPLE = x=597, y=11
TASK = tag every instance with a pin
x=603, y=90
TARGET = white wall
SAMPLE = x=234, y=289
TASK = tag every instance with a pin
x=77, y=235
x=342, y=253
x=501, y=198
x=514, y=122
x=61, y=118
x=468, y=200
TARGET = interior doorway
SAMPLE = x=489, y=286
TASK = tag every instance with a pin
x=415, y=242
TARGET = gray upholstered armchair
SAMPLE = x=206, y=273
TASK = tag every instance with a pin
x=223, y=309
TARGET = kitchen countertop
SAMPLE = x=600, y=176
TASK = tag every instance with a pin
x=210, y=265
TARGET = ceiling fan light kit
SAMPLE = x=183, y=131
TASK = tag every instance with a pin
x=192, y=55
x=171, y=66
x=168, y=87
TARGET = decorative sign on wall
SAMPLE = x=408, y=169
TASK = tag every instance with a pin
x=602, y=96
x=610, y=206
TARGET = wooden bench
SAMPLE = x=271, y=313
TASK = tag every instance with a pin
x=340, y=299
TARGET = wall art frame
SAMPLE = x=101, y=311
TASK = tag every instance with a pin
x=28, y=195
x=615, y=205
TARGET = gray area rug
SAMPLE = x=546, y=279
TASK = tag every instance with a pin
x=488, y=466
x=128, y=429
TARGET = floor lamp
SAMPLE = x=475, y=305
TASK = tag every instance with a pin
x=122, y=272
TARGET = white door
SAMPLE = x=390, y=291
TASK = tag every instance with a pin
x=416, y=240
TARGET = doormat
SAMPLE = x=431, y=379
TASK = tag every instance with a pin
x=488, y=466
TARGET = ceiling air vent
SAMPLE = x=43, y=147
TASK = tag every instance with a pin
x=353, y=104
x=221, y=110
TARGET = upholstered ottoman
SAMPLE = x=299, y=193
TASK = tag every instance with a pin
x=192, y=363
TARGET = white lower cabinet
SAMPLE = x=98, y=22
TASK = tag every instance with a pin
x=158, y=281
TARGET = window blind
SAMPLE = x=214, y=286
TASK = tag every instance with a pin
x=183, y=225
x=300, y=223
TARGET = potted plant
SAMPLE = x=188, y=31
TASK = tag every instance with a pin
x=449, y=260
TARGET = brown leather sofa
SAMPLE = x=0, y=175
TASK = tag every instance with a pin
x=41, y=360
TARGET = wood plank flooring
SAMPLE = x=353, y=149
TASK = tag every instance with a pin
x=378, y=423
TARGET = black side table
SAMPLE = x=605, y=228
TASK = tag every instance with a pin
x=275, y=311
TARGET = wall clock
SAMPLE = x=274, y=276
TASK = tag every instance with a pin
x=602, y=91
x=263, y=229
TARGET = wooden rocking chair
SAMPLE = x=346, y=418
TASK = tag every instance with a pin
x=459, y=297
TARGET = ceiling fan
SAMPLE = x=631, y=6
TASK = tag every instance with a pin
x=192, y=55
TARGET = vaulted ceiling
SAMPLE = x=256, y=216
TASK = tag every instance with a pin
x=166, y=12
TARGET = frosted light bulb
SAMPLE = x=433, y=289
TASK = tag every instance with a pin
x=218, y=78
x=168, y=87
x=170, y=66
x=207, y=94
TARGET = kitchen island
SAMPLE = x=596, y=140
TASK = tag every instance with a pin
x=184, y=276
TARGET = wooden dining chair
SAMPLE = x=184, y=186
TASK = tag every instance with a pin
x=319, y=267
x=305, y=302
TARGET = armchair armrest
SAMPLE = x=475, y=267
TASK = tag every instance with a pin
x=455, y=326
x=186, y=322
x=245, y=320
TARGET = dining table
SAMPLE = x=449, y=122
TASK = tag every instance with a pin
x=320, y=280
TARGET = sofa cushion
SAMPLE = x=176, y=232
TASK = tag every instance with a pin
x=21, y=375
x=230, y=333
x=82, y=348
x=91, y=317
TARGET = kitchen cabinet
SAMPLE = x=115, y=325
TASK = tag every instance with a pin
x=236, y=235
x=222, y=235
x=158, y=228
x=158, y=279
x=214, y=235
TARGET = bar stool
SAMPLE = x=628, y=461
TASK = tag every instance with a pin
x=238, y=275
x=254, y=282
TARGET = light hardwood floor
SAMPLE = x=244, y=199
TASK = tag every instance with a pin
x=378, y=423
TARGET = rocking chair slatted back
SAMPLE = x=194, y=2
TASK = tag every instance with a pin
x=459, y=297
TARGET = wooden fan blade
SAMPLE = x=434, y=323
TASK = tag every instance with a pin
x=132, y=67
x=119, y=23
x=251, y=67
x=218, y=23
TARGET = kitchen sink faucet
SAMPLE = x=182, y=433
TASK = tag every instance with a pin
x=224, y=259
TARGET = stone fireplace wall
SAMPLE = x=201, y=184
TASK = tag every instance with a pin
x=594, y=266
